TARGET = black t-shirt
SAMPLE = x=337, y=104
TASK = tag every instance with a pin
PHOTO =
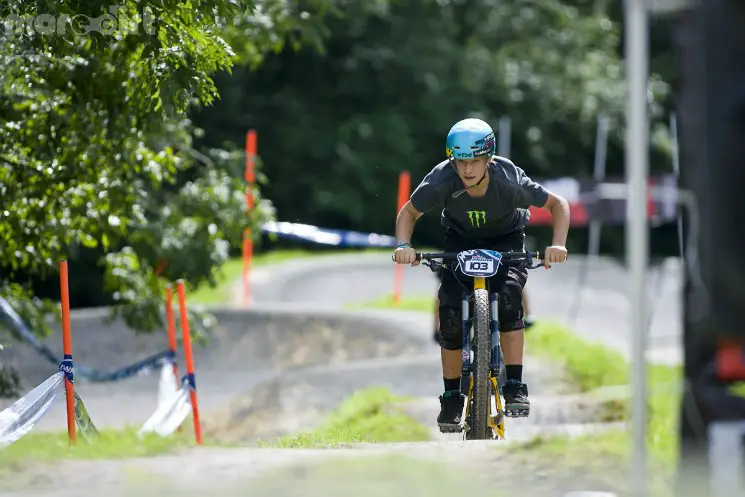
x=502, y=210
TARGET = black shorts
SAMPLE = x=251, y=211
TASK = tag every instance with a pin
x=451, y=291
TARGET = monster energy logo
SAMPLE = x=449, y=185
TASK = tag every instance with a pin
x=477, y=217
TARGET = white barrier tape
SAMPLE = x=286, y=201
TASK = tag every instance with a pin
x=168, y=417
x=173, y=406
x=167, y=384
x=21, y=417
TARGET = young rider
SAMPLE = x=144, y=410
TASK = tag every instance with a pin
x=527, y=319
x=485, y=200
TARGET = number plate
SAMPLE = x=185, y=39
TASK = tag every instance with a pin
x=479, y=263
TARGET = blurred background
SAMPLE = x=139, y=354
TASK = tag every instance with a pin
x=345, y=95
x=123, y=135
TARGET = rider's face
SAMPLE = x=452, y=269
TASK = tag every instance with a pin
x=471, y=170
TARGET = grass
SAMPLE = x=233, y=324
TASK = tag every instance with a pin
x=111, y=444
x=424, y=303
x=232, y=269
x=591, y=366
x=370, y=415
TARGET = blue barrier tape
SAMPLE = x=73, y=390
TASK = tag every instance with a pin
x=339, y=238
x=142, y=367
x=15, y=324
x=296, y=231
x=13, y=321
x=191, y=380
x=66, y=367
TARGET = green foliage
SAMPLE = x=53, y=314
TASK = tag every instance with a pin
x=96, y=152
x=394, y=76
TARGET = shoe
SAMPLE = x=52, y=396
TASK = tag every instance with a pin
x=451, y=411
x=516, y=404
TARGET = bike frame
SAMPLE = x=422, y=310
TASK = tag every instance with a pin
x=496, y=414
x=496, y=418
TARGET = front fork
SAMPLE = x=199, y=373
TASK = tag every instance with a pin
x=465, y=372
x=496, y=352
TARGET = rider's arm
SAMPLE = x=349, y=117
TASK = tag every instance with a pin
x=425, y=197
x=405, y=221
x=559, y=209
x=531, y=193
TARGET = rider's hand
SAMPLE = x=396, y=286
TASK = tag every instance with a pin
x=405, y=255
x=554, y=254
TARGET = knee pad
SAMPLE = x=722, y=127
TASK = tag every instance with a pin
x=450, y=334
x=511, y=307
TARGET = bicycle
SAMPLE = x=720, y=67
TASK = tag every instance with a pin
x=482, y=371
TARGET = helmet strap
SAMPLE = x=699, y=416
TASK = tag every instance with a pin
x=464, y=190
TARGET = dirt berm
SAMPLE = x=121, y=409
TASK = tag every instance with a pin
x=246, y=348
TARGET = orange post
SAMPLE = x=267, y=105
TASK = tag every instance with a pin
x=189, y=361
x=67, y=351
x=172, y=334
x=247, y=239
x=404, y=185
x=171, y=329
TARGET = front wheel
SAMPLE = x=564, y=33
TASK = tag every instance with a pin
x=480, y=430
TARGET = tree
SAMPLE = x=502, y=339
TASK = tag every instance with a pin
x=394, y=76
x=96, y=150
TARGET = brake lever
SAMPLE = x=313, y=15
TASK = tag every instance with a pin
x=435, y=265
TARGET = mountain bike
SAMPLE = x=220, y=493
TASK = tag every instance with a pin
x=482, y=371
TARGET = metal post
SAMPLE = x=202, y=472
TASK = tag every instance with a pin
x=505, y=130
x=636, y=40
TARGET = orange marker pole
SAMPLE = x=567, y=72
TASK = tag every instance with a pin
x=404, y=185
x=67, y=351
x=171, y=329
x=189, y=361
x=247, y=239
x=172, y=334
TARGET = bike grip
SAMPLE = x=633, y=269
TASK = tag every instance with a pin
x=418, y=256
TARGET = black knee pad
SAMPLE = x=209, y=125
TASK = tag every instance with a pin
x=511, y=307
x=451, y=333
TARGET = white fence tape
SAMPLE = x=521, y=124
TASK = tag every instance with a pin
x=167, y=384
x=21, y=417
x=173, y=405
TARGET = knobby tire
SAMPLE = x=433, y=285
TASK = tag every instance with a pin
x=481, y=396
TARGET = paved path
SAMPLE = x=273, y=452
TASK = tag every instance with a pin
x=333, y=281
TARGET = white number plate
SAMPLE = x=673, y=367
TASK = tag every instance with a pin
x=479, y=263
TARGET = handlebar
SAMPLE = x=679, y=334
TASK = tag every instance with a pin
x=506, y=256
x=509, y=256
